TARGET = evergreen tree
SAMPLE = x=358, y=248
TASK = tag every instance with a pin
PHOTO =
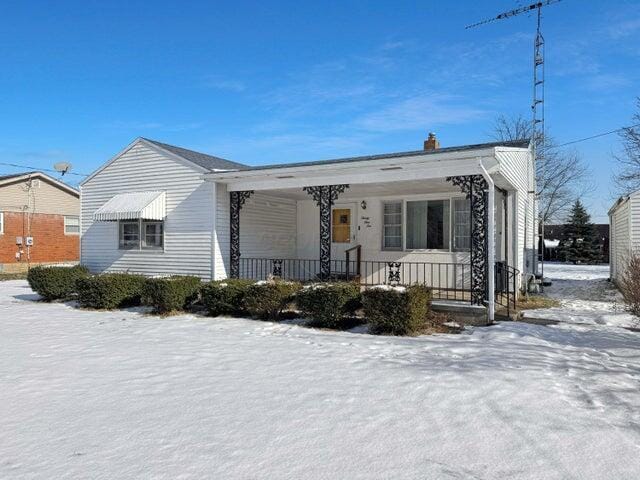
x=581, y=241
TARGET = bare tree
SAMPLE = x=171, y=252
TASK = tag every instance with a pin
x=628, y=177
x=560, y=174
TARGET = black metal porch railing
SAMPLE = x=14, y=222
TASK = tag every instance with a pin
x=506, y=285
x=449, y=281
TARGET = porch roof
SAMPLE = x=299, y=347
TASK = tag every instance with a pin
x=392, y=167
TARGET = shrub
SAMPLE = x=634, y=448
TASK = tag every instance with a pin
x=110, y=290
x=55, y=283
x=396, y=310
x=268, y=299
x=629, y=283
x=225, y=297
x=170, y=293
x=326, y=304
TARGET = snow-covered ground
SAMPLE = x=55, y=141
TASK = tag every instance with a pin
x=120, y=395
x=585, y=296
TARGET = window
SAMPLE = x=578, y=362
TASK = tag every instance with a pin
x=341, y=225
x=1, y=222
x=461, y=224
x=130, y=238
x=71, y=225
x=428, y=225
x=392, y=226
x=129, y=235
x=153, y=235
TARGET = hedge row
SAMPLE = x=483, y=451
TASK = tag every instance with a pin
x=391, y=310
x=55, y=283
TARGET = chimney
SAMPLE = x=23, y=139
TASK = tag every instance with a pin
x=432, y=142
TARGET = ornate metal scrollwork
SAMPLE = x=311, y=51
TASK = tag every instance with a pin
x=236, y=201
x=475, y=189
x=325, y=196
x=394, y=273
x=277, y=268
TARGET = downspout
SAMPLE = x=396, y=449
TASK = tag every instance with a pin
x=491, y=247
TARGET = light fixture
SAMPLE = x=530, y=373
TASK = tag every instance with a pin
x=363, y=205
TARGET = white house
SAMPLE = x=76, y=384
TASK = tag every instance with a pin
x=411, y=217
x=624, y=236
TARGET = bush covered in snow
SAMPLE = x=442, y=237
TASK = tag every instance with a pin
x=55, y=283
x=170, y=293
x=629, y=284
x=225, y=297
x=397, y=311
x=110, y=290
x=326, y=304
x=268, y=299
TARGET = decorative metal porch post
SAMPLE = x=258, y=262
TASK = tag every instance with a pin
x=236, y=201
x=325, y=196
x=475, y=189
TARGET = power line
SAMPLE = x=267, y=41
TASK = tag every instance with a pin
x=31, y=167
x=595, y=136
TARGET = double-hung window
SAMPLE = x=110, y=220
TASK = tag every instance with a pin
x=392, y=225
x=130, y=237
x=71, y=225
x=461, y=224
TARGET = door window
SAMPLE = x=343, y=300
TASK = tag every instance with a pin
x=341, y=225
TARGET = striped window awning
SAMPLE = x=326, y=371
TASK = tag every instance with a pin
x=133, y=206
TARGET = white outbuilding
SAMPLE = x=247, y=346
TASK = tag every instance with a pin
x=624, y=221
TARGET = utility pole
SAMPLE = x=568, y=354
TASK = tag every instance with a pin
x=537, y=126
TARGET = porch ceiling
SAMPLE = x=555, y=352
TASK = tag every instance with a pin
x=359, y=191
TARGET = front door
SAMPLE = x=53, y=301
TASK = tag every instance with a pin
x=343, y=232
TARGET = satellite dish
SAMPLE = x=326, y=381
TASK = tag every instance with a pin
x=62, y=167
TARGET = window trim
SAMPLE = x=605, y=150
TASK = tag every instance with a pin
x=65, y=224
x=141, y=232
x=401, y=247
x=418, y=198
x=1, y=223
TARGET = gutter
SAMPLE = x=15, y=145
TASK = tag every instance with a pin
x=491, y=247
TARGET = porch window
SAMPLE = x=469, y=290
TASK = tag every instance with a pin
x=461, y=224
x=428, y=225
x=392, y=226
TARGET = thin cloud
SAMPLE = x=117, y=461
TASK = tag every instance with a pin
x=420, y=112
x=227, y=84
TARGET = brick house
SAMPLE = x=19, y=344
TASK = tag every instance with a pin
x=39, y=221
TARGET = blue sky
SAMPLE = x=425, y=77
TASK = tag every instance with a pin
x=263, y=82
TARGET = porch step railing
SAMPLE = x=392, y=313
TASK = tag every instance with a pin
x=506, y=285
x=449, y=281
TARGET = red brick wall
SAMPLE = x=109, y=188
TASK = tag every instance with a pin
x=50, y=244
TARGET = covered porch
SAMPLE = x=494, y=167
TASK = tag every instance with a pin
x=446, y=223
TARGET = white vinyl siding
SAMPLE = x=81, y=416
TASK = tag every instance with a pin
x=267, y=228
x=514, y=167
x=187, y=227
x=620, y=239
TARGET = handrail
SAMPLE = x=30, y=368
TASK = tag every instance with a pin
x=347, y=253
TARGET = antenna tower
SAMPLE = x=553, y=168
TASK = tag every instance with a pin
x=537, y=118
